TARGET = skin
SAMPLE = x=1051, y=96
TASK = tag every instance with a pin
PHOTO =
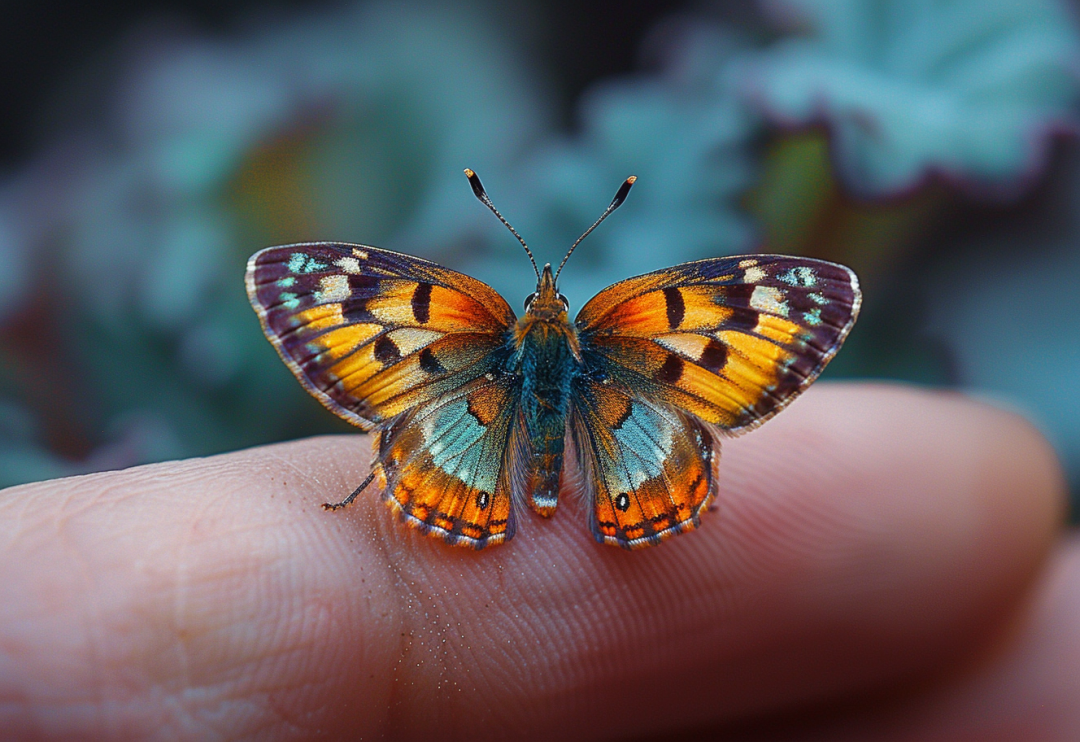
x=883, y=563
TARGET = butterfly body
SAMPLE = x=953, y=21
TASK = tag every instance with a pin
x=548, y=358
x=472, y=408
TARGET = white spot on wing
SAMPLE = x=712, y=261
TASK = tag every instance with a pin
x=769, y=299
x=750, y=263
x=349, y=265
x=753, y=274
x=411, y=339
x=333, y=288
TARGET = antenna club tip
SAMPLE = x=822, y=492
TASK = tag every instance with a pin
x=477, y=187
x=631, y=180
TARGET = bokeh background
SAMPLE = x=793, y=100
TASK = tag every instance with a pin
x=147, y=149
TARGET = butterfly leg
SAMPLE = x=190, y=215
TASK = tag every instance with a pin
x=355, y=492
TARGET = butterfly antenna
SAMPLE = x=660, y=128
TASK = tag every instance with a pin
x=480, y=193
x=616, y=202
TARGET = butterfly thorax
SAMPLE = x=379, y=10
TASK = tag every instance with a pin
x=547, y=358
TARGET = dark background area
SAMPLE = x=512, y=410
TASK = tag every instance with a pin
x=44, y=45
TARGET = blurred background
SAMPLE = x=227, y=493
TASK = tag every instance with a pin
x=149, y=148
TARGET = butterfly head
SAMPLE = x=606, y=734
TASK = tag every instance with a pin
x=546, y=302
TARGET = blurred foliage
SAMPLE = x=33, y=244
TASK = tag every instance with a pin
x=880, y=133
x=962, y=88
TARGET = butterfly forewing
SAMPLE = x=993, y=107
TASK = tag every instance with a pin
x=730, y=340
x=372, y=333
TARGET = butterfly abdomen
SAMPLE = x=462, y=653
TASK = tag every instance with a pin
x=548, y=365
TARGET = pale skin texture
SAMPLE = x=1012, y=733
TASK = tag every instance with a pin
x=883, y=564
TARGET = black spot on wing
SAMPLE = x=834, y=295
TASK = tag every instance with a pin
x=713, y=357
x=741, y=319
x=355, y=310
x=737, y=298
x=671, y=371
x=386, y=350
x=737, y=294
x=363, y=285
x=429, y=363
x=421, y=302
x=676, y=307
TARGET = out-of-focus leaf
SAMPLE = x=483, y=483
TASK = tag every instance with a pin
x=970, y=89
x=1008, y=306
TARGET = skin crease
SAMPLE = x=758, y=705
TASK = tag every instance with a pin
x=882, y=563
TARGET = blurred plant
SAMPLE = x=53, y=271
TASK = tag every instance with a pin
x=132, y=339
x=969, y=89
x=890, y=115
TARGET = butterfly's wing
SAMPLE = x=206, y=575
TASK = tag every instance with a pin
x=731, y=341
x=373, y=333
x=649, y=467
x=393, y=342
x=448, y=467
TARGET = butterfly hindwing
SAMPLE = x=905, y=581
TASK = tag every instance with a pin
x=729, y=340
x=373, y=333
x=650, y=468
x=447, y=467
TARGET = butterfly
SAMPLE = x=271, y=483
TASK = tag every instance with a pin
x=472, y=408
